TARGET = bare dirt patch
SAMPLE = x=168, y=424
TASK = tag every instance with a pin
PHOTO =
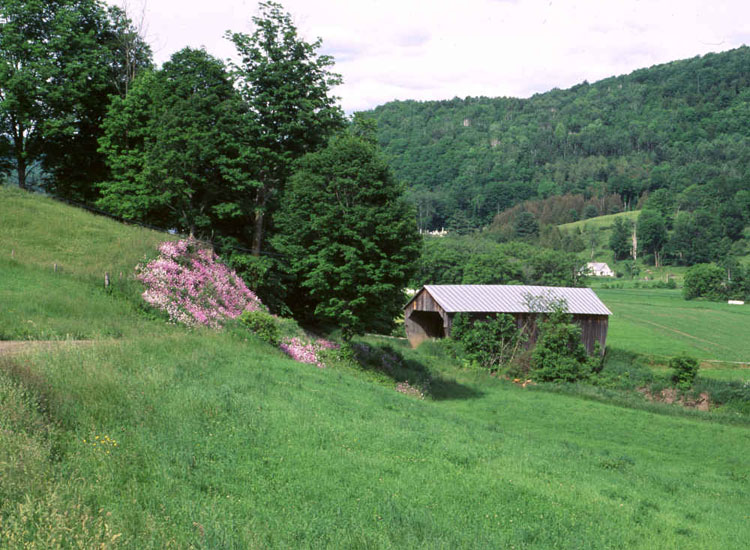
x=670, y=395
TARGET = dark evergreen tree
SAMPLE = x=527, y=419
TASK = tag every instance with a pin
x=526, y=226
x=590, y=211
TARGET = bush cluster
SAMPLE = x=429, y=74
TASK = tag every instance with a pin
x=714, y=282
x=491, y=342
x=496, y=342
x=559, y=354
x=262, y=324
x=684, y=371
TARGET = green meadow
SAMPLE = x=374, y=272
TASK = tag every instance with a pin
x=601, y=223
x=659, y=322
x=155, y=436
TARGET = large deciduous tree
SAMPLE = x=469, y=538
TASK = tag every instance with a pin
x=287, y=87
x=349, y=237
x=176, y=149
x=25, y=64
x=59, y=63
x=100, y=60
x=652, y=233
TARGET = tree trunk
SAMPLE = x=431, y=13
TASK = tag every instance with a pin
x=20, y=154
x=21, y=169
x=258, y=232
x=258, y=223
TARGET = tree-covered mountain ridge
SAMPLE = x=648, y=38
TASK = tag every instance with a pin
x=678, y=126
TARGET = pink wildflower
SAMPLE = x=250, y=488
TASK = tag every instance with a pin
x=306, y=352
x=190, y=284
x=326, y=344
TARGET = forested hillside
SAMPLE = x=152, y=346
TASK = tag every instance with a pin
x=683, y=126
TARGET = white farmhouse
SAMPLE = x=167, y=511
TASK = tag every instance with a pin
x=600, y=269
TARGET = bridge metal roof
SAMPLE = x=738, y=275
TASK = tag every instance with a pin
x=515, y=299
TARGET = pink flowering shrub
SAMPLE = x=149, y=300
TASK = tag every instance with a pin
x=307, y=352
x=193, y=287
x=326, y=344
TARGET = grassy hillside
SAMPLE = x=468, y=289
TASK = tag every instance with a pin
x=41, y=232
x=595, y=233
x=39, y=304
x=47, y=250
x=173, y=438
x=221, y=443
x=601, y=223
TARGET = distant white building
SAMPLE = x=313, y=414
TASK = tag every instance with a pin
x=600, y=269
x=437, y=233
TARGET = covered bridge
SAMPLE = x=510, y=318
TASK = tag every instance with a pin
x=429, y=314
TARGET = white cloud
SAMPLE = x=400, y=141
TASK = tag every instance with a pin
x=439, y=49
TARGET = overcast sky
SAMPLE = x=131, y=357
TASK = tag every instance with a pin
x=440, y=49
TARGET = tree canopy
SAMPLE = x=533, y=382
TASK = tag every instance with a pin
x=348, y=237
x=652, y=233
x=620, y=239
x=60, y=60
x=476, y=259
x=176, y=148
x=287, y=87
